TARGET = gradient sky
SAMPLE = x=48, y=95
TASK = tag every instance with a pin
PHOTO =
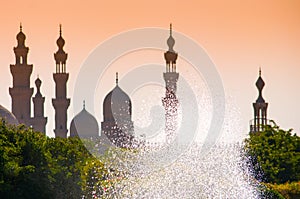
x=239, y=36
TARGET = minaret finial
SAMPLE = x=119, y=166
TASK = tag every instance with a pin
x=20, y=26
x=260, y=71
x=60, y=30
x=171, y=41
x=117, y=78
x=83, y=104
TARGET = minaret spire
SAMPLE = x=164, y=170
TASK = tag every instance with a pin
x=170, y=101
x=60, y=30
x=259, y=71
x=60, y=56
x=21, y=92
x=60, y=102
x=39, y=121
x=117, y=78
x=260, y=107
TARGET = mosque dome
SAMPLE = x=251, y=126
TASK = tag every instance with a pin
x=84, y=124
x=8, y=116
x=117, y=105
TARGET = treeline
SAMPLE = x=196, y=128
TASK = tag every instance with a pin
x=33, y=165
x=274, y=156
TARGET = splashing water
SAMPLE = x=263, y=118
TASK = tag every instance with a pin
x=219, y=173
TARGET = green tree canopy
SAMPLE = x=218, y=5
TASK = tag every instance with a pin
x=33, y=165
x=274, y=155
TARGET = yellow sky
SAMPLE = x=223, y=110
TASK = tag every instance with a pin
x=239, y=36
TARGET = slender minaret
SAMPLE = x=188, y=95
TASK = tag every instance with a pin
x=39, y=121
x=260, y=108
x=61, y=102
x=21, y=92
x=170, y=101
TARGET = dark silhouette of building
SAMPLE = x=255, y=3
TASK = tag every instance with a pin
x=260, y=108
x=38, y=121
x=117, y=124
x=170, y=101
x=21, y=92
x=84, y=125
x=60, y=102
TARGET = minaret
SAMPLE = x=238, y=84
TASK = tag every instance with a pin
x=39, y=121
x=260, y=108
x=21, y=92
x=61, y=102
x=170, y=101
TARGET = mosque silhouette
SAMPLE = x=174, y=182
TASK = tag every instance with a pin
x=117, y=124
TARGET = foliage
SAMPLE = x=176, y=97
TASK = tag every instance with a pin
x=274, y=155
x=33, y=165
x=287, y=190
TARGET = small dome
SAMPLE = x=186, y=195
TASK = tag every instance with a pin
x=60, y=42
x=171, y=43
x=38, y=82
x=117, y=105
x=21, y=37
x=8, y=116
x=84, y=124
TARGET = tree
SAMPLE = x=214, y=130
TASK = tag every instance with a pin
x=274, y=155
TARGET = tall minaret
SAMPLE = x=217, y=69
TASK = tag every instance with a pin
x=61, y=102
x=39, y=121
x=260, y=108
x=21, y=92
x=170, y=101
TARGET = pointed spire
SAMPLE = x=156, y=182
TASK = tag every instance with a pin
x=20, y=26
x=260, y=85
x=171, y=40
x=60, y=30
x=38, y=83
x=60, y=41
x=117, y=78
x=260, y=71
x=83, y=104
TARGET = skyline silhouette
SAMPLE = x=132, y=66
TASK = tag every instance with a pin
x=236, y=40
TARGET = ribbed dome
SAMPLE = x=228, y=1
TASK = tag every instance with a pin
x=8, y=116
x=84, y=124
x=117, y=105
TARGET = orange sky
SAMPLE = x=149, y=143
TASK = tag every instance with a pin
x=239, y=36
